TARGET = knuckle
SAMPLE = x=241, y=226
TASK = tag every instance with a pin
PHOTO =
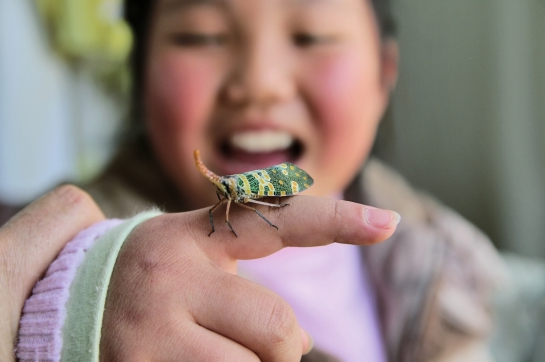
x=69, y=199
x=71, y=195
x=337, y=215
x=281, y=323
x=337, y=219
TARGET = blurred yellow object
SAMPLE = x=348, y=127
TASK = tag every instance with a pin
x=87, y=29
x=91, y=34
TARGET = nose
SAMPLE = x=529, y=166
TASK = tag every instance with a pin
x=262, y=74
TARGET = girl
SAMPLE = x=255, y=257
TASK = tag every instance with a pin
x=252, y=83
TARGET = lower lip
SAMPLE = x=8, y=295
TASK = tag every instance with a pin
x=238, y=161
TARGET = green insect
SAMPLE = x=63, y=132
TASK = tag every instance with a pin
x=284, y=179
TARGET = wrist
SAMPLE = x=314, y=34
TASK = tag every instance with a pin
x=62, y=318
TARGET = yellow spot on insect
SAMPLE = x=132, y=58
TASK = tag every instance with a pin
x=264, y=181
x=238, y=188
x=246, y=184
x=294, y=187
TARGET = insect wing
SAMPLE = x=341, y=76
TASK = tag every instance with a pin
x=280, y=180
x=289, y=178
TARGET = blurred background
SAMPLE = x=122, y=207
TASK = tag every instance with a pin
x=468, y=116
x=467, y=122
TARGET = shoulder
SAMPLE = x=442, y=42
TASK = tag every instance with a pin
x=437, y=271
x=426, y=218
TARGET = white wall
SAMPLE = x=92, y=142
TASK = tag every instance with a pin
x=469, y=117
x=35, y=143
x=55, y=123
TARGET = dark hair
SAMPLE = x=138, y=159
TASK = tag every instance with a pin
x=138, y=16
x=385, y=18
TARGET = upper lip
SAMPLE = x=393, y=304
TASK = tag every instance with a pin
x=255, y=124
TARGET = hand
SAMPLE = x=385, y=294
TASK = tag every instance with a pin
x=29, y=242
x=175, y=296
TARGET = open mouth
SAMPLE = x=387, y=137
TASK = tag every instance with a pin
x=250, y=150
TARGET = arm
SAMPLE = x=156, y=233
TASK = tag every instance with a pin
x=174, y=293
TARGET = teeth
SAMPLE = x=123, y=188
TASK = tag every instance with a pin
x=262, y=141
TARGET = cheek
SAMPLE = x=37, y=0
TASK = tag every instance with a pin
x=178, y=95
x=346, y=97
x=179, y=98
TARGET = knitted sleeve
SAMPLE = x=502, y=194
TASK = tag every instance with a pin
x=62, y=318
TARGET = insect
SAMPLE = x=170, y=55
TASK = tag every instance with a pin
x=284, y=179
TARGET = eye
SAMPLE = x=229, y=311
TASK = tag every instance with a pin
x=198, y=39
x=306, y=39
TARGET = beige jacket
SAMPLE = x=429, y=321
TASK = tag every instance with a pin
x=433, y=278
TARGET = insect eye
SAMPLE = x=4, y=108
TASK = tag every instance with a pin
x=226, y=186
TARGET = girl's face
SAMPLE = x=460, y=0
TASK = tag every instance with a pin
x=253, y=83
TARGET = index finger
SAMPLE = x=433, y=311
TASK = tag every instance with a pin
x=307, y=221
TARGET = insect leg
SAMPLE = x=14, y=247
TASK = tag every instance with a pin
x=260, y=214
x=266, y=203
x=211, y=217
x=227, y=218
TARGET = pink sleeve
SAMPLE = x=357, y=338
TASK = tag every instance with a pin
x=40, y=331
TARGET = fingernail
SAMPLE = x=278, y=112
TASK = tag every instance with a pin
x=382, y=219
x=304, y=334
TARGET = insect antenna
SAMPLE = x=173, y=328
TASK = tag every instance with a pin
x=215, y=179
